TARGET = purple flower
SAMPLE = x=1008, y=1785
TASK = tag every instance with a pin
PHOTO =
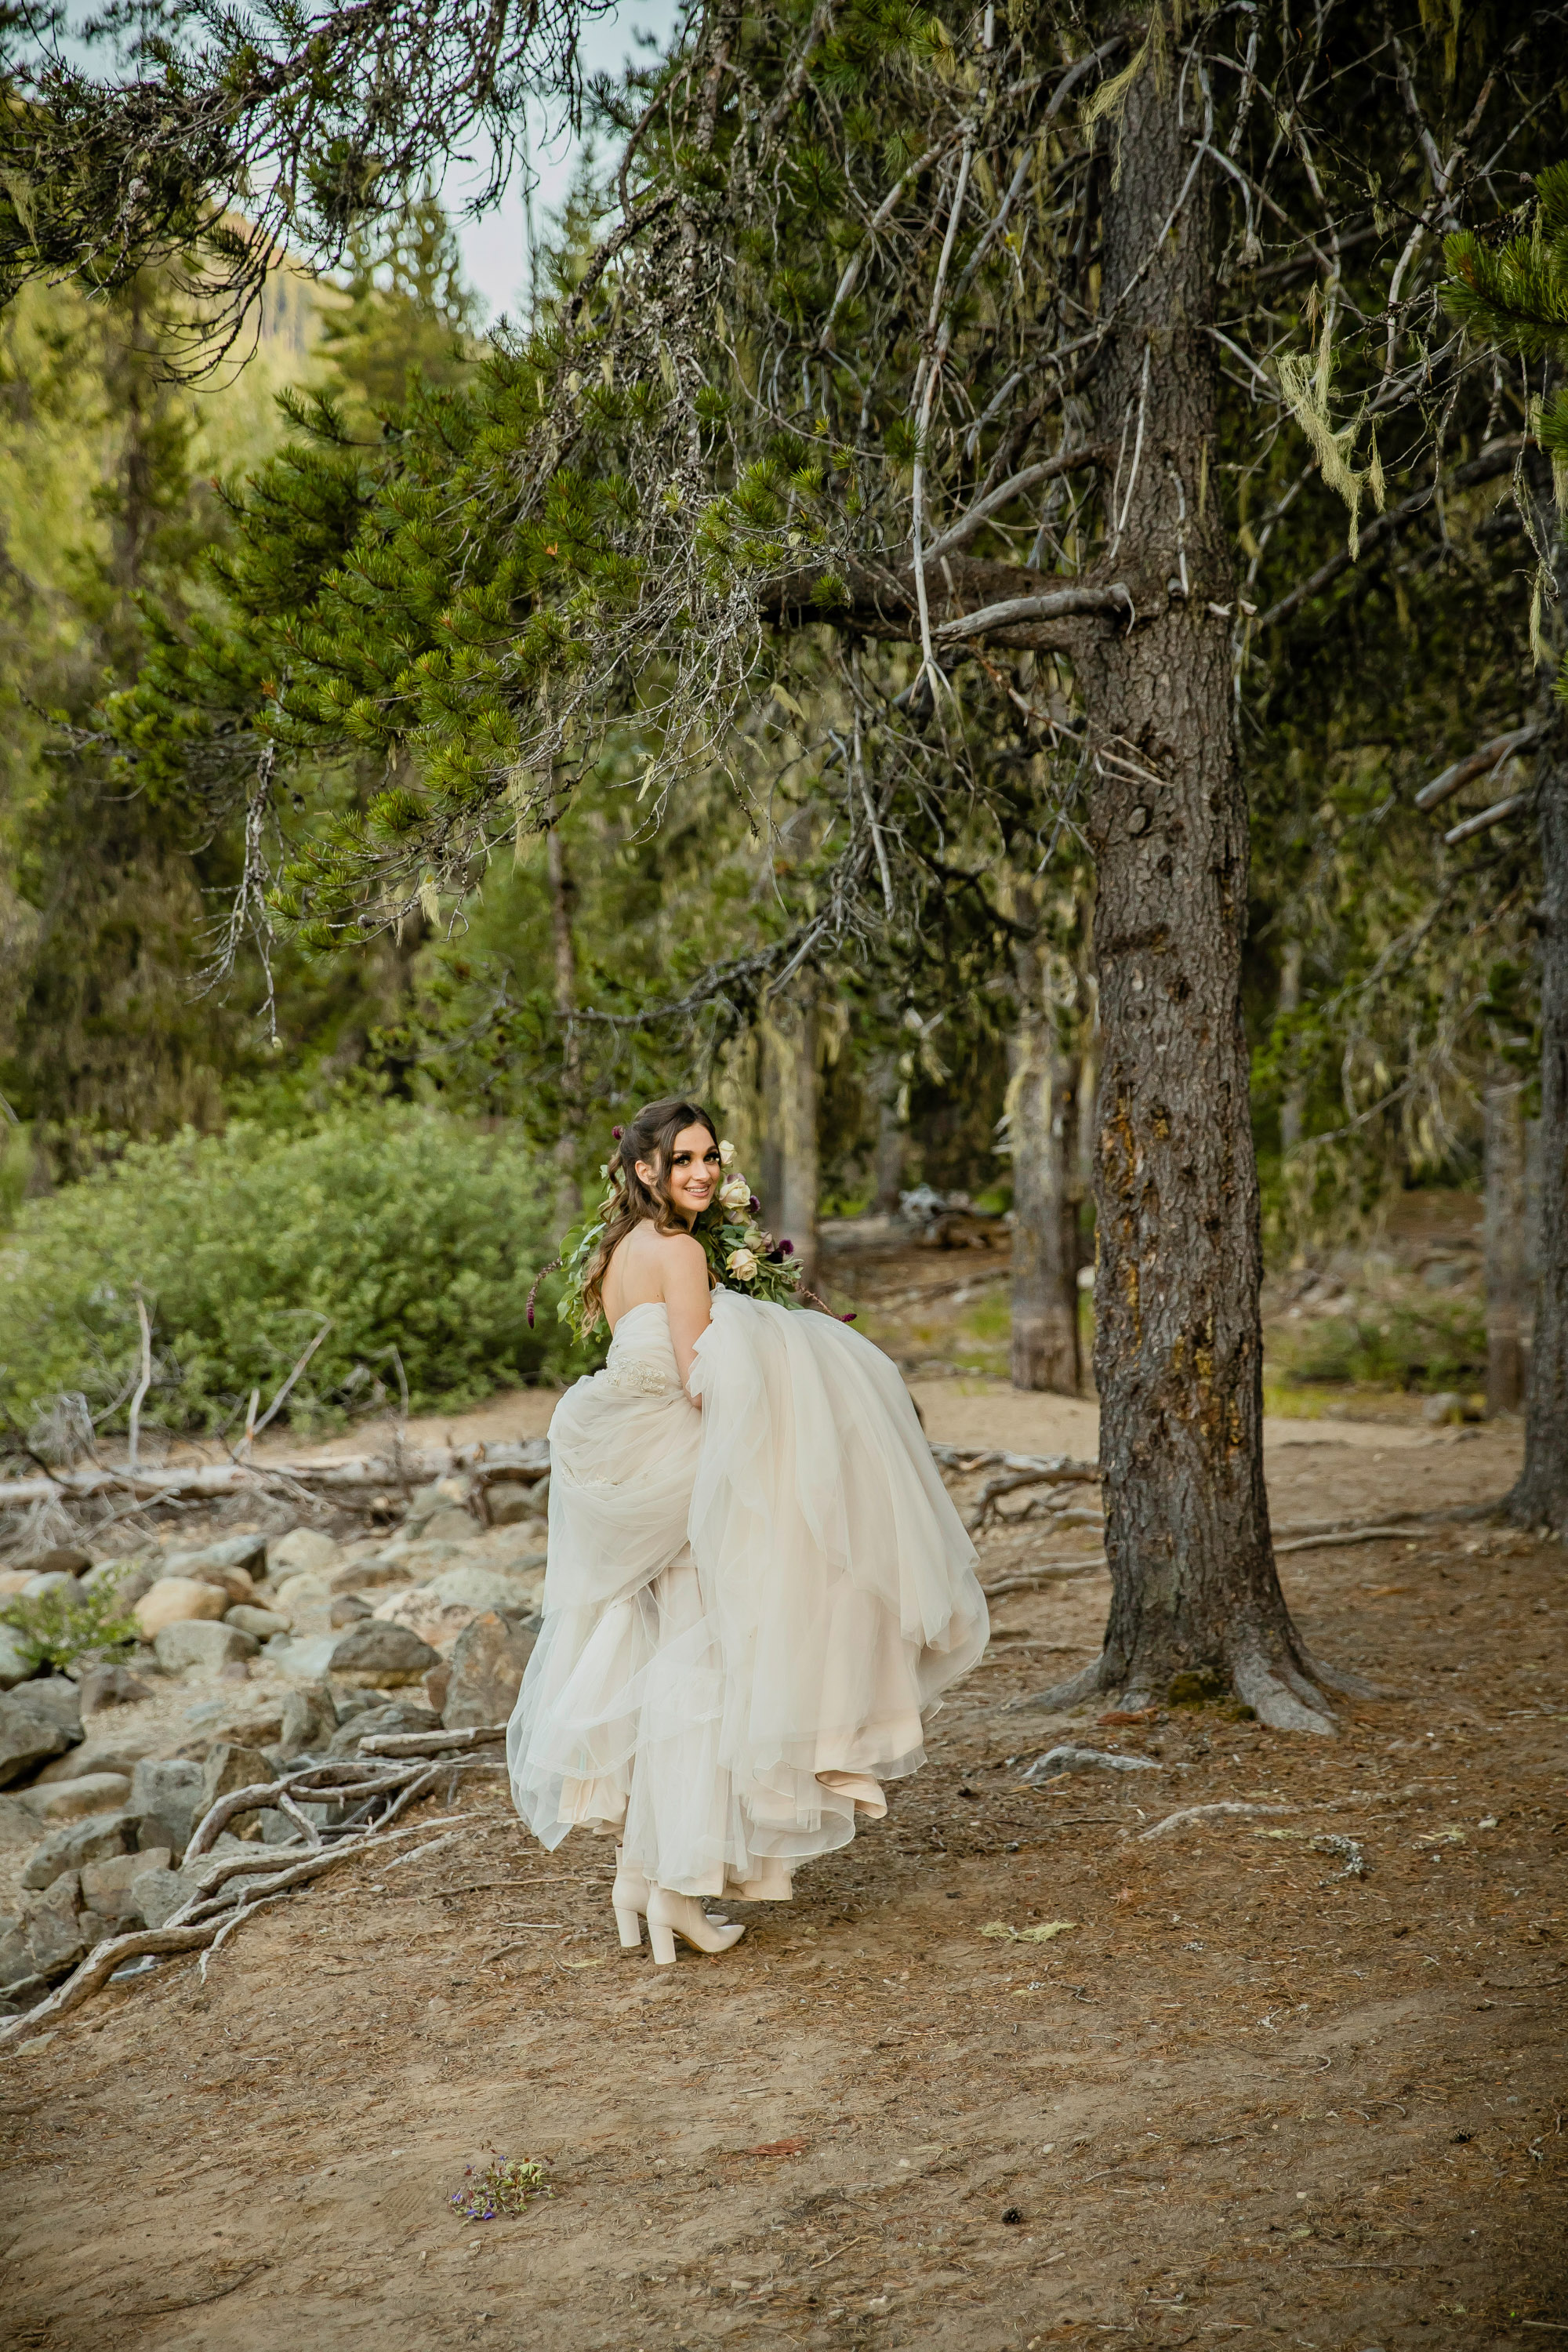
x=616, y=1133
x=846, y=1319
x=753, y=1204
x=787, y=1249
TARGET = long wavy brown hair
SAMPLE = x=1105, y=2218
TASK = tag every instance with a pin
x=650, y=1138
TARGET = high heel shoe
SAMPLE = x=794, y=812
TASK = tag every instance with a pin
x=628, y=1897
x=669, y=1915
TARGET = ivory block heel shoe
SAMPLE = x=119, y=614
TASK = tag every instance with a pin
x=669, y=1915
x=628, y=1898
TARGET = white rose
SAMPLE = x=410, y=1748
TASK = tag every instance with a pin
x=727, y=1155
x=742, y=1264
x=735, y=1192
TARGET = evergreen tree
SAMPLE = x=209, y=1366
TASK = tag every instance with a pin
x=1512, y=290
x=913, y=346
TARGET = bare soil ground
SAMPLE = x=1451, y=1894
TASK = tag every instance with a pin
x=1242, y=2099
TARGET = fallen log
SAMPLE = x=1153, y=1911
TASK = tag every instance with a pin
x=524, y=1462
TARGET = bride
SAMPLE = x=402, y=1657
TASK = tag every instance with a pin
x=757, y=1586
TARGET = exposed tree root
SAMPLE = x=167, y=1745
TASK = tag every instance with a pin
x=1207, y=1813
x=210, y=1913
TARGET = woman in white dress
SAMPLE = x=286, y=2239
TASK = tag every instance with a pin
x=757, y=1587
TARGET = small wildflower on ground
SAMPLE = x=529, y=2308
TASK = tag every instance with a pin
x=508, y=2186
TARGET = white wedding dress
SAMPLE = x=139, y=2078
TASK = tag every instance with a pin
x=749, y=1610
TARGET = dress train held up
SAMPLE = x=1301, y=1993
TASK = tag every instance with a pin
x=749, y=1610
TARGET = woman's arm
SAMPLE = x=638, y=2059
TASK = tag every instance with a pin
x=683, y=1266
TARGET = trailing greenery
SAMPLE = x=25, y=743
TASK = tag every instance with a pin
x=412, y=1237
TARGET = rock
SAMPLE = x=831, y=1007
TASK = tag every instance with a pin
x=15, y=1667
x=261, y=1624
x=248, y=1722
x=130, y=1579
x=1084, y=1760
x=178, y=1601
x=103, y=1687
x=75, y=1846
x=96, y=1756
x=485, y=1588
x=28, y=1734
x=73, y=1800
x=302, y=1662
x=197, y=1642
x=229, y=1766
x=65, y=1560
x=51, y=1580
x=57, y=1697
x=514, y=1551
x=422, y=1612
x=303, y=1551
x=486, y=1671
x=309, y=1720
x=54, y=1934
x=106, y=1885
x=15, y=1959
x=305, y=1601
x=380, y=1655
x=511, y=1506
x=1448, y=1406
x=368, y=1575
x=164, y=1801
x=247, y=1552
x=347, y=1609
x=398, y=1715
x=436, y=1684
x=451, y=1526
x=443, y=1495
x=156, y=1892
x=236, y=1586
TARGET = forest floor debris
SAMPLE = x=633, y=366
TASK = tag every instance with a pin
x=1247, y=2100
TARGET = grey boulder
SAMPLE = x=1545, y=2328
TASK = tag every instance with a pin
x=164, y=1801
x=65, y=1560
x=229, y=1766
x=487, y=1666
x=56, y=1936
x=74, y=1846
x=106, y=1885
x=309, y=1720
x=29, y=1734
x=103, y=1687
x=260, y=1624
x=378, y=1655
x=58, y=1698
x=197, y=1642
x=15, y=1666
x=248, y=1552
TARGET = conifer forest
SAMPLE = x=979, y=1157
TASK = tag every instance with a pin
x=994, y=608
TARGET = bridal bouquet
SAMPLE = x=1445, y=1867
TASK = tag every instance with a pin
x=741, y=1256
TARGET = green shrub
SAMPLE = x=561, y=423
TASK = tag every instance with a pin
x=1398, y=1346
x=409, y=1230
x=53, y=1628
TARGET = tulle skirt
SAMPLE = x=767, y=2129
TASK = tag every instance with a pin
x=750, y=1611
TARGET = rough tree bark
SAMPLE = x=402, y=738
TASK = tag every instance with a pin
x=790, y=1155
x=1503, y=1123
x=1178, y=1352
x=892, y=1137
x=563, y=909
x=1539, y=1499
x=1042, y=1108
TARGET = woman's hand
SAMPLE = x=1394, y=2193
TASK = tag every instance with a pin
x=683, y=1267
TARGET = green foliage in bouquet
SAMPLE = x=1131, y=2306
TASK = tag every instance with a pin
x=741, y=1256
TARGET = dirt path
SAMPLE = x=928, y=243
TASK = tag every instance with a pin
x=1243, y=2099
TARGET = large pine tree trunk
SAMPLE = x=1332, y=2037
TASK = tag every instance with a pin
x=790, y=1160
x=1042, y=1117
x=1178, y=1356
x=1503, y=1121
x=562, y=912
x=1541, y=1495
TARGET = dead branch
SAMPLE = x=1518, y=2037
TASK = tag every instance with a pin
x=1229, y=1809
x=1024, y=1472
x=1058, y=1571
x=525, y=1462
x=1337, y=1539
x=430, y=1743
x=1476, y=763
x=1484, y=822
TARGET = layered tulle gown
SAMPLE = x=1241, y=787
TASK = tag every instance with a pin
x=749, y=1610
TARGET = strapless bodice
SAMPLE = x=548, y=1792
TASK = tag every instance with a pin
x=642, y=1353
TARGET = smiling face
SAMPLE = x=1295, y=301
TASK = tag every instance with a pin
x=693, y=1175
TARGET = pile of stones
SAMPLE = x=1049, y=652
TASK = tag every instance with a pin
x=305, y=1645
